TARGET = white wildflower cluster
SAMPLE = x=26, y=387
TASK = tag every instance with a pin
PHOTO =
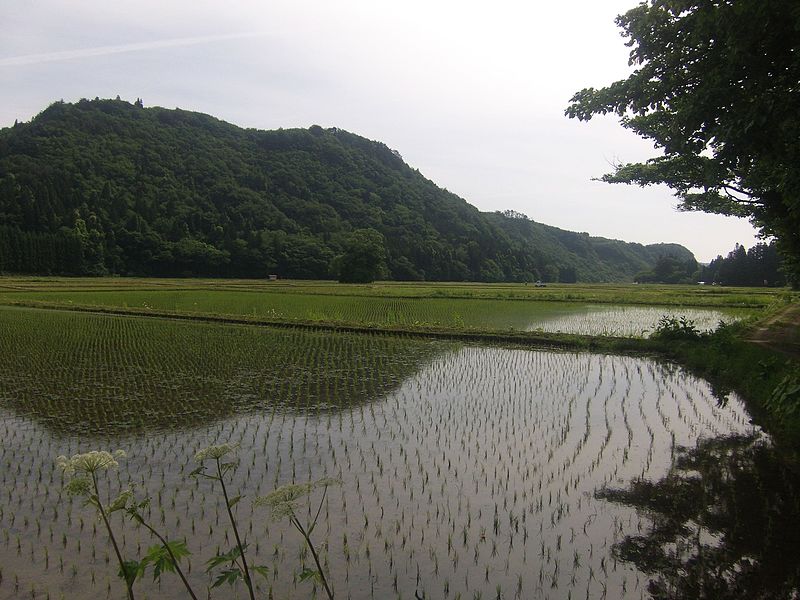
x=215, y=452
x=285, y=500
x=89, y=462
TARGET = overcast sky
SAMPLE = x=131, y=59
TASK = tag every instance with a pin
x=470, y=93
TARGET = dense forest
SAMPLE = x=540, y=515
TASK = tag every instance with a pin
x=108, y=187
x=761, y=265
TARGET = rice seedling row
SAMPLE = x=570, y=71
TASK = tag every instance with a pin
x=467, y=471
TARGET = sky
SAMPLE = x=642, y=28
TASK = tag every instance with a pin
x=470, y=93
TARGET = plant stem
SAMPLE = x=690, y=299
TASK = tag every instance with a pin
x=172, y=556
x=247, y=579
x=128, y=584
x=302, y=531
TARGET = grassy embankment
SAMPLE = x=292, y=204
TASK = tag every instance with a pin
x=476, y=312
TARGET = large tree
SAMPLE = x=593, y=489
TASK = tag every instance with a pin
x=716, y=87
x=364, y=258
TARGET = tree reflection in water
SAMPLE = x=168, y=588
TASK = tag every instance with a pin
x=724, y=523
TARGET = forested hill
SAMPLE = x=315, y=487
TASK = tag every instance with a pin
x=105, y=186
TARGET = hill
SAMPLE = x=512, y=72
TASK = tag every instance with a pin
x=109, y=187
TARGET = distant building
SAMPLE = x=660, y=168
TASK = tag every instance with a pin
x=273, y=277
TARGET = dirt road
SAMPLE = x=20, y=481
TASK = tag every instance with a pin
x=780, y=332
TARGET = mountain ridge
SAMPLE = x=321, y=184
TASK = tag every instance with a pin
x=106, y=186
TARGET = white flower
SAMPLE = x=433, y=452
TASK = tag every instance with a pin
x=215, y=452
x=284, y=501
x=89, y=462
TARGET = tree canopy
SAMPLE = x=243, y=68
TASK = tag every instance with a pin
x=716, y=87
x=364, y=257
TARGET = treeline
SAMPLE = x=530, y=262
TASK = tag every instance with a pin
x=35, y=252
x=671, y=269
x=761, y=265
x=108, y=187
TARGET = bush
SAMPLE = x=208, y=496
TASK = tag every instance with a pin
x=670, y=327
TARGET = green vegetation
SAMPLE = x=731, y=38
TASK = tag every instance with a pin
x=671, y=270
x=661, y=295
x=726, y=358
x=714, y=87
x=287, y=503
x=107, y=187
x=364, y=258
x=143, y=375
x=592, y=310
x=758, y=266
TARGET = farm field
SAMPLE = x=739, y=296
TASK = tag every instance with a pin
x=672, y=295
x=588, y=310
x=467, y=471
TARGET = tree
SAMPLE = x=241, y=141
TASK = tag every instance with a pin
x=760, y=265
x=669, y=269
x=715, y=87
x=364, y=258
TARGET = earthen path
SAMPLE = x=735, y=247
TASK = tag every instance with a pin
x=780, y=332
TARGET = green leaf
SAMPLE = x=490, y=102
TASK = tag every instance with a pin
x=233, y=501
x=262, y=570
x=161, y=559
x=227, y=557
x=179, y=549
x=229, y=576
x=129, y=571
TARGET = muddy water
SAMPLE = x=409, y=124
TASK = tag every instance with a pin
x=488, y=472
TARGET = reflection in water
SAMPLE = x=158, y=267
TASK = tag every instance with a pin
x=79, y=373
x=722, y=524
x=628, y=320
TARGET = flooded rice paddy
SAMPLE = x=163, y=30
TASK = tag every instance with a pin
x=467, y=471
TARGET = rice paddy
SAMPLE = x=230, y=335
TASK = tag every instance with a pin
x=384, y=311
x=466, y=471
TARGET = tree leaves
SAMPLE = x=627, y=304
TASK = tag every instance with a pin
x=715, y=88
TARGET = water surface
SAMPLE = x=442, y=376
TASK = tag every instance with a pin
x=465, y=469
